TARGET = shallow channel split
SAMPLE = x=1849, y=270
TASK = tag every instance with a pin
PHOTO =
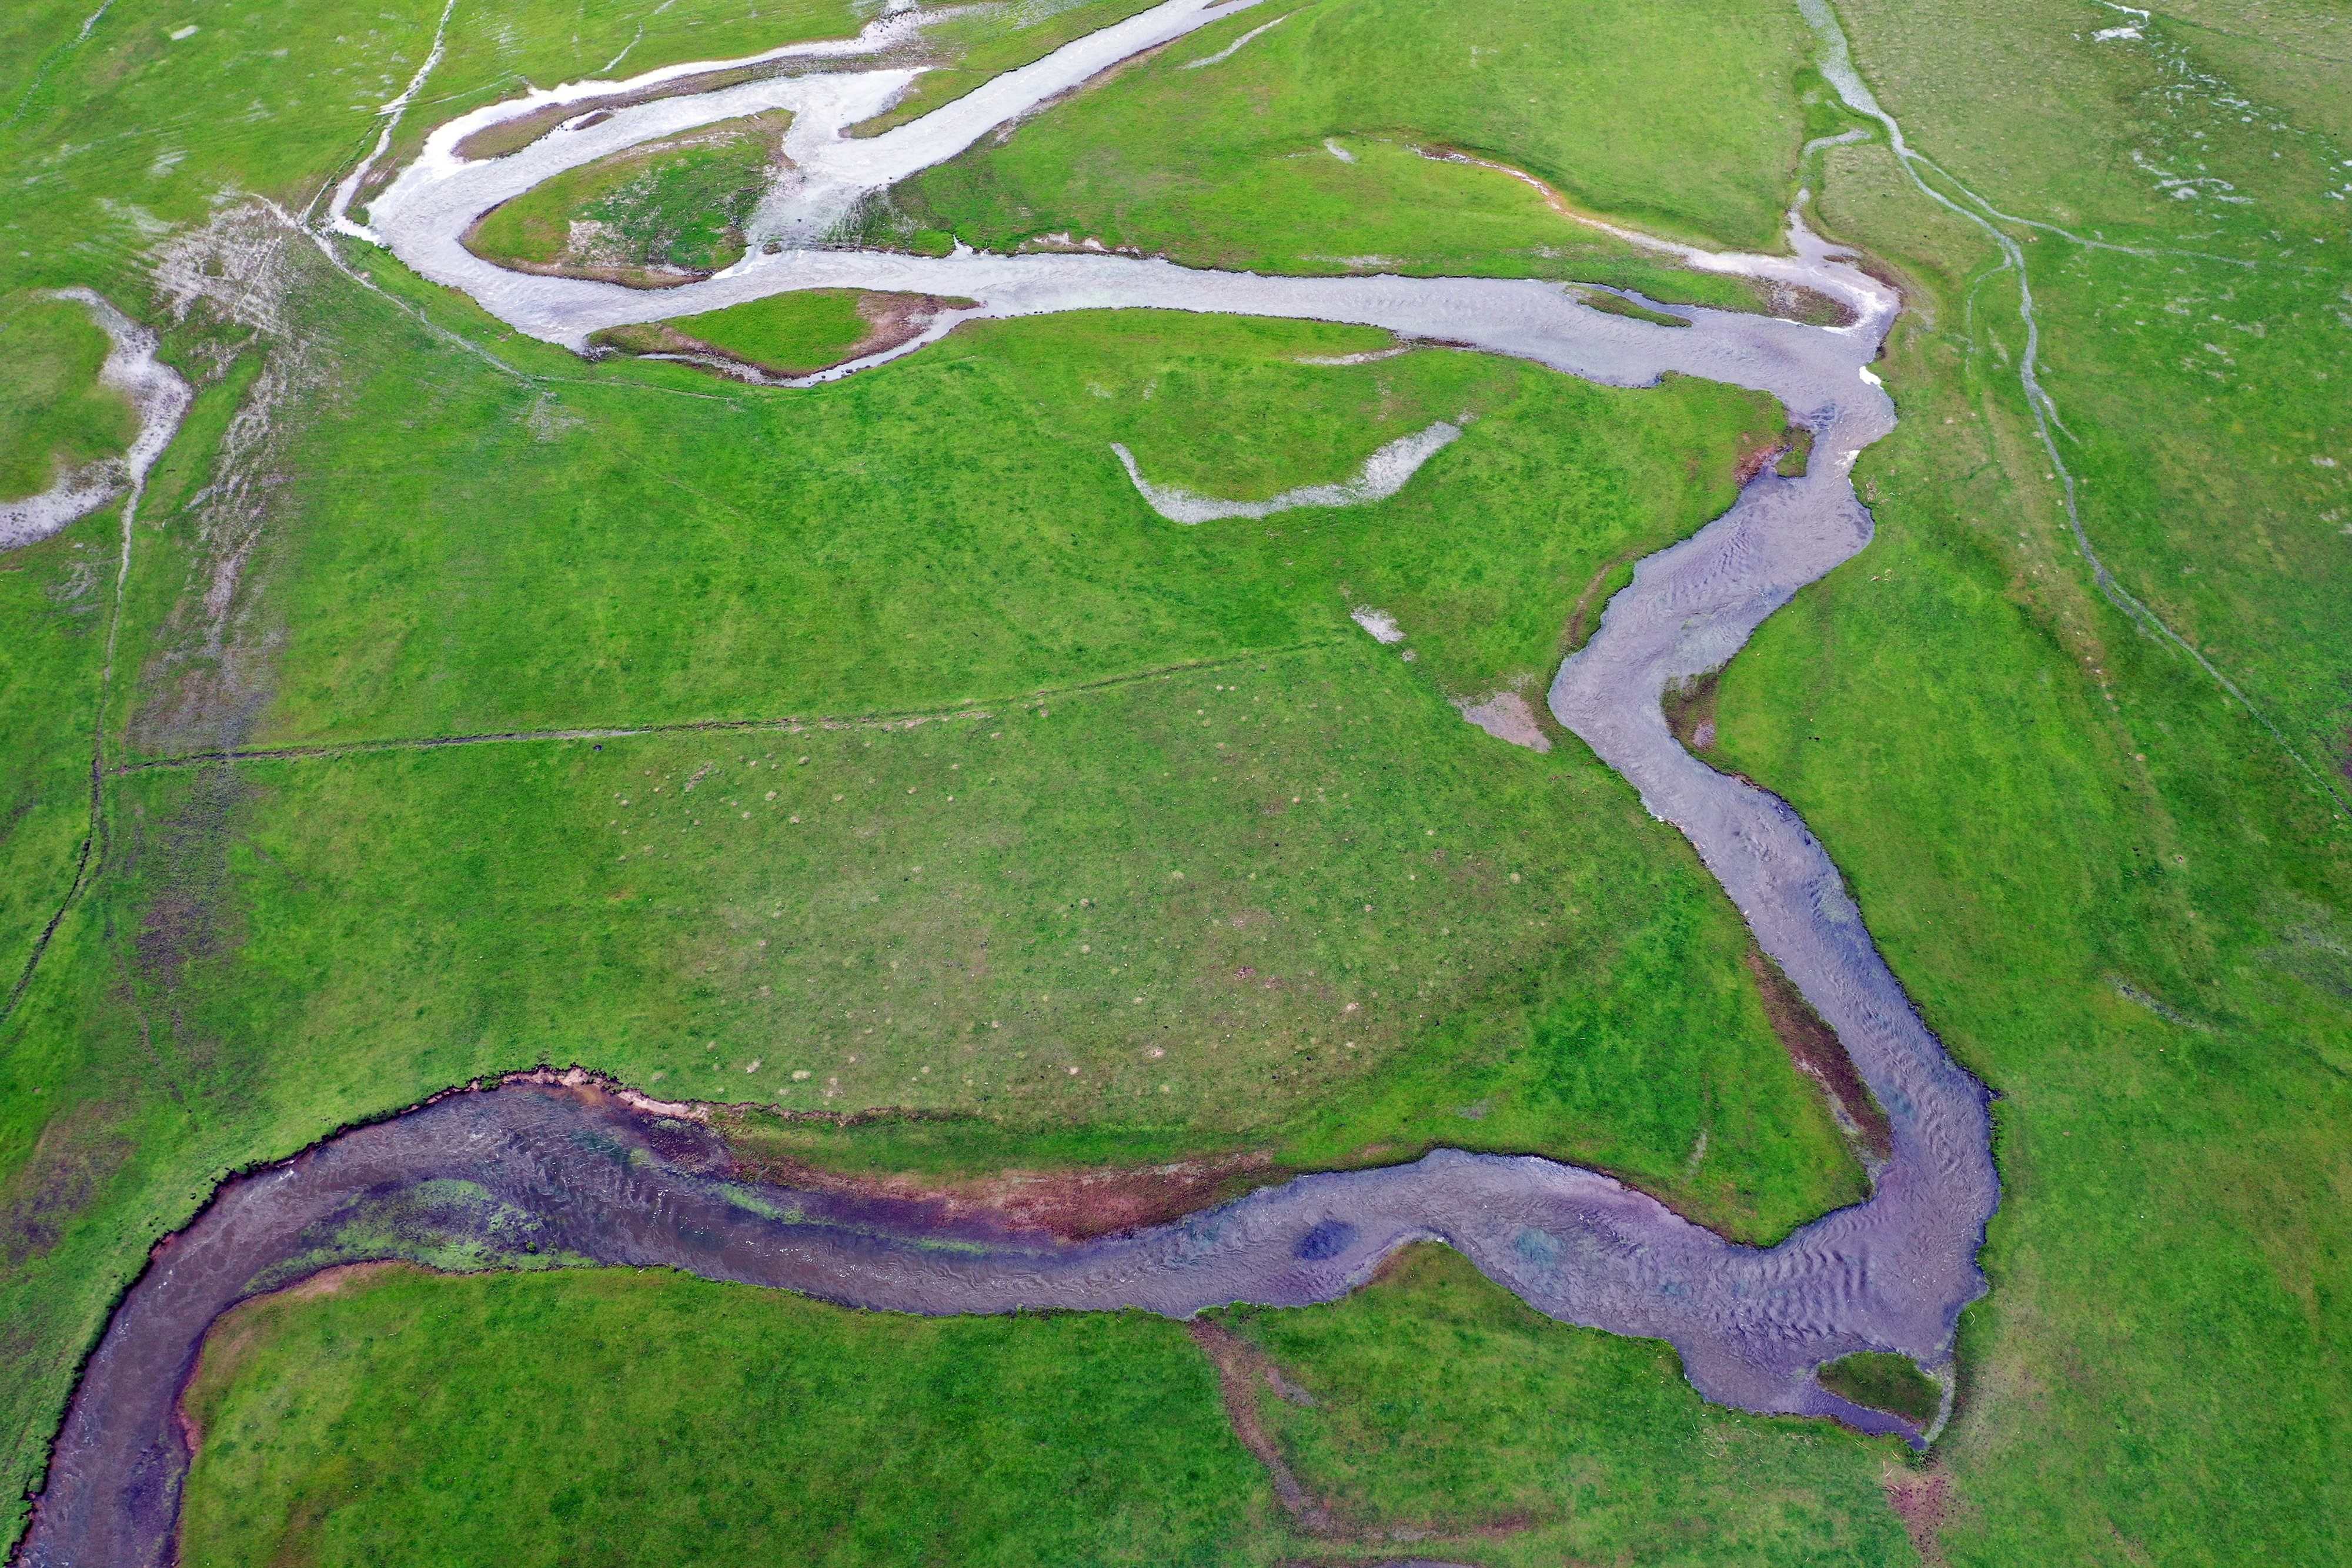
x=555, y=1170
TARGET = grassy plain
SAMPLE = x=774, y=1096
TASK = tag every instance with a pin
x=622, y=1417
x=2109, y=887
x=422, y=541
x=434, y=1414
x=1297, y=153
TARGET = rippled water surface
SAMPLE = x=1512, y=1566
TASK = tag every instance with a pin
x=529, y=1172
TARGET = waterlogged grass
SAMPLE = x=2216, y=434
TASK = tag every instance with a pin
x=1297, y=153
x=648, y=1417
x=654, y=215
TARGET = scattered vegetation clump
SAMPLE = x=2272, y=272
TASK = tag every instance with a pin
x=1879, y=1381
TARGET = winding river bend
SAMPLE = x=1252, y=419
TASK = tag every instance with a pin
x=568, y=1171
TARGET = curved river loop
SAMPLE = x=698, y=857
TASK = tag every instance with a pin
x=563, y=1170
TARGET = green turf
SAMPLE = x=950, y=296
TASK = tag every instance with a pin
x=785, y=334
x=1434, y=1403
x=54, y=416
x=646, y=1417
x=485, y=883
x=2145, y=957
x=2109, y=888
x=385, y=1410
x=1686, y=123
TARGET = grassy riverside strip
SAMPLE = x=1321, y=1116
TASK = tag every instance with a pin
x=1298, y=153
x=381, y=1407
x=621, y=1417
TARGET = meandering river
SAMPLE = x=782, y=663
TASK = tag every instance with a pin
x=551, y=1170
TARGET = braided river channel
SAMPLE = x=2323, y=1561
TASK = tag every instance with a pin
x=534, y=1172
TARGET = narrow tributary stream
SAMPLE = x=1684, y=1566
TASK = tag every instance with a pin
x=549, y=1170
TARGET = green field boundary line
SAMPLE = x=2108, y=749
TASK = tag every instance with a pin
x=972, y=707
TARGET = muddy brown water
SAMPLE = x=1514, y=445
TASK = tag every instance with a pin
x=524, y=1174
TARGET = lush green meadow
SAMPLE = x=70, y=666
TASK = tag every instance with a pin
x=2111, y=889
x=653, y=216
x=629, y=1416
x=1302, y=153
x=623, y=1417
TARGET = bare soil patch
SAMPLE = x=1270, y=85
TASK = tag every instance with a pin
x=1814, y=1047
x=1922, y=1499
x=1075, y=1204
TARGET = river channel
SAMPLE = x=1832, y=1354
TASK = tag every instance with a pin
x=540, y=1171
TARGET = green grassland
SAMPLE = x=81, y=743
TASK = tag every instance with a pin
x=1158, y=762
x=2109, y=887
x=785, y=334
x=621, y=1417
x=2110, y=890
x=1435, y=1404
x=1685, y=125
x=54, y=416
x=627, y=1417
x=658, y=214
x=442, y=536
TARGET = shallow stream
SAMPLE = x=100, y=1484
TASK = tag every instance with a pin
x=544, y=1171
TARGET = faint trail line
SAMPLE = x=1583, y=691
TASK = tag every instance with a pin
x=40, y=76
x=885, y=719
x=91, y=855
x=1837, y=65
